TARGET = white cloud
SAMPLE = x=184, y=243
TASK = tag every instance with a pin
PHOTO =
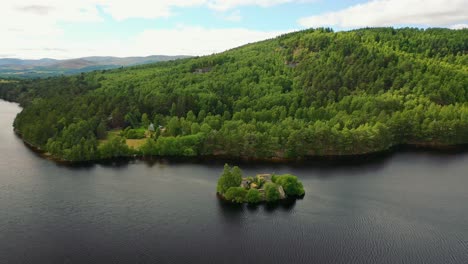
x=393, y=13
x=234, y=16
x=40, y=18
x=33, y=28
x=124, y=9
x=459, y=26
x=223, y=5
x=191, y=40
x=30, y=25
x=183, y=40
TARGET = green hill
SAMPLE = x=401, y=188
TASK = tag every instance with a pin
x=313, y=92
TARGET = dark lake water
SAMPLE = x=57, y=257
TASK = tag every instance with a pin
x=409, y=207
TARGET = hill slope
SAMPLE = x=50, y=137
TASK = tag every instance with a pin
x=17, y=68
x=313, y=92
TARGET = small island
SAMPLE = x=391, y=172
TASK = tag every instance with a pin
x=233, y=187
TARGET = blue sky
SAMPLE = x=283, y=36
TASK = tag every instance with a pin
x=76, y=28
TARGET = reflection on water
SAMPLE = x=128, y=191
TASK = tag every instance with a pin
x=285, y=205
x=230, y=209
x=231, y=212
x=326, y=166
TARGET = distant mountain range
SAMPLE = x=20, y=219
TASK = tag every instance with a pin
x=18, y=68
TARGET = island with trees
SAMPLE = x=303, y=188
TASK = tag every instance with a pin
x=305, y=94
x=233, y=187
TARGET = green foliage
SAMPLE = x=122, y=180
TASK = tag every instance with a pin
x=253, y=196
x=229, y=178
x=174, y=146
x=291, y=185
x=76, y=142
x=274, y=177
x=101, y=130
x=236, y=194
x=313, y=92
x=259, y=181
x=236, y=174
x=133, y=133
x=149, y=148
x=114, y=147
x=145, y=122
x=132, y=118
x=271, y=192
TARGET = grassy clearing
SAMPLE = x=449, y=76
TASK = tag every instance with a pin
x=7, y=81
x=132, y=143
x=135, y=143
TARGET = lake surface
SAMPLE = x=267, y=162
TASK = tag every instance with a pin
x=402, y=208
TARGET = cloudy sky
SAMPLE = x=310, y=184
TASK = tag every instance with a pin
x=76, y=28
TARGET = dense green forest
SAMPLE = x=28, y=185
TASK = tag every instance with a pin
x=308, y=93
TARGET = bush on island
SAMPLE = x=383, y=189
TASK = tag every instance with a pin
x=271, y=192
x=291, y=185
x=236, y=194
x=253, y=196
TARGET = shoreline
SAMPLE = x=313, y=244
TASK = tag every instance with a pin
x=362, y=157
x=433, y=147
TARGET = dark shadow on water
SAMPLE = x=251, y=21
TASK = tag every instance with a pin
x=326, y=164
x=152, y=161
x=117, y=163
x=231, y=213
x=230, y=208
x=86, y=165
x=284, y=205
x=234, y=210
x=76, y=166
x=288, y=204
x=371, y=161
x=253, y=207
x=271, y=207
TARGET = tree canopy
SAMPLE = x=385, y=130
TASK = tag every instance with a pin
x=291, y=185
x=235, y=194
x=229, y=178
x=253, y=196
x=271, y=192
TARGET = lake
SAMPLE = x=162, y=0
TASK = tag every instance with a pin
x=406, y=207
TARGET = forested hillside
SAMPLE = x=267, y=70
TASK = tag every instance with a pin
x=313, y=92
